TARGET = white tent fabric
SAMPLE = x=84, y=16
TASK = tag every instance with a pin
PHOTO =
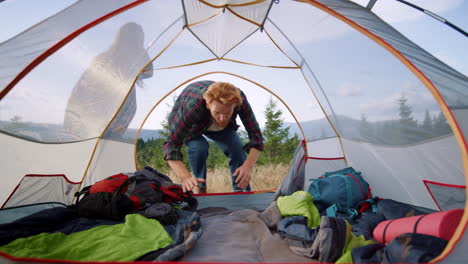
x=31, y=44
x=361, y=93
x=439, y=152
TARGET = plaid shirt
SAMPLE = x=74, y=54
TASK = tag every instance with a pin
x=190, y=118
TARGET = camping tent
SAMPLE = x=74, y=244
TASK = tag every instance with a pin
x=362, y=93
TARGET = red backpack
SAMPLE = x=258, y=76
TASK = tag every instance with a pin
x=109, y=184
x=121, y=194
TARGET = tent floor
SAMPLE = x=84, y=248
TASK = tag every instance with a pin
x=239, y=236
x=236, y=201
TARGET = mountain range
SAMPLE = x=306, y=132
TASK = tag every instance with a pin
x=54, y=132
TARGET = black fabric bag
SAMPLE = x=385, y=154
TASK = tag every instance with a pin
x=107, y=205
x=405, y=248
x=163, y=212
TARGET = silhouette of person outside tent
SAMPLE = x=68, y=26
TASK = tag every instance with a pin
x=101, y=88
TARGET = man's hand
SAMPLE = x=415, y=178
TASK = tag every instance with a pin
x=188, y=182
x=243, y=175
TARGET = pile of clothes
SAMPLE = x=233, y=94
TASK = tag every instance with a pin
x=310, y=232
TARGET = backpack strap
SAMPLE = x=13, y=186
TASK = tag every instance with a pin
x=415, y=229
x=174, y=194
x=331, y=210
x=335, y=208
x=131, y=183
x=384, y=235
x=368, y=203
x=83, y=191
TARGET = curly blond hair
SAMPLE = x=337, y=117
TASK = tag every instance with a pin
x=224, y=93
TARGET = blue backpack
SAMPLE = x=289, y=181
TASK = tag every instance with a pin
x=340, y=192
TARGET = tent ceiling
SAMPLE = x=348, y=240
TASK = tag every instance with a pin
x=222, y=26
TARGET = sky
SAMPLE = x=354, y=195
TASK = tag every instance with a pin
x=357, y=80
x=18, y=15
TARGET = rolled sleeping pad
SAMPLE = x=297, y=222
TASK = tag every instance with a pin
x=439, y=224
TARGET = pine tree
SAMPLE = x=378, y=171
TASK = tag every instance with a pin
x=405, y=113
x=149, y=154
x=216, y=157
x=290, y=146
x=278, y=146
x=441, y=127
x=427, y=122
x=427, y=126
x=406, y=122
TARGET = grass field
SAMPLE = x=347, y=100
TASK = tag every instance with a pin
x=263, y=178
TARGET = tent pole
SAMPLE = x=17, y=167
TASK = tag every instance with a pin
x=435, y=16
x=371, y=4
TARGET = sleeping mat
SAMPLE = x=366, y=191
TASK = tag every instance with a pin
x=120, y=242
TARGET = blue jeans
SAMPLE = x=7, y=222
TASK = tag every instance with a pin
x=228, y=141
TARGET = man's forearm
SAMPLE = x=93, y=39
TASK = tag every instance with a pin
x=252, y=157
x=186, y=180
x=179, y=169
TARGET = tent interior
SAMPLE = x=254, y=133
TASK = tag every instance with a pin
x=350, y=76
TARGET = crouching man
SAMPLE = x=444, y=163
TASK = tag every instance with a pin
x=209, y=109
